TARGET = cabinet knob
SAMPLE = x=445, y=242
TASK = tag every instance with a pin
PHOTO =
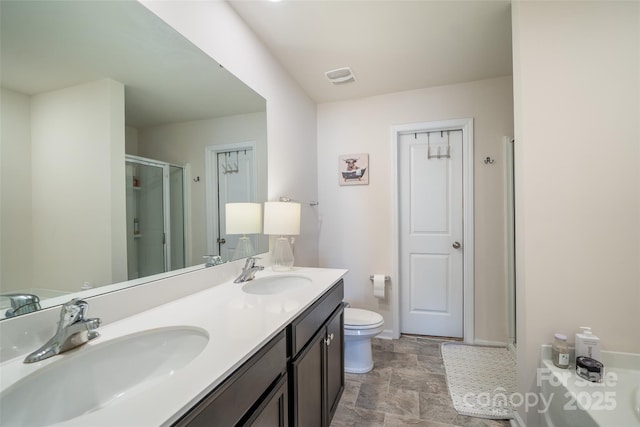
x=329, y=339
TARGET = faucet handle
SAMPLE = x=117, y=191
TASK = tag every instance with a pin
x=73, y=311
x=212, y=260
x=251, y=262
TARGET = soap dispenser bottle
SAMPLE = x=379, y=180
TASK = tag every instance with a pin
x=587, y=344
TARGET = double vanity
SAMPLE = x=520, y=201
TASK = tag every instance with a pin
x=267, y=352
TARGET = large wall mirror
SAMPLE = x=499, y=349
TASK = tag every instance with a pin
x=121, y=144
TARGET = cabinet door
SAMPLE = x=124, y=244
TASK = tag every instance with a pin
x=308, y=384
x=273, y=412
x=236, y=398
x=334, y=362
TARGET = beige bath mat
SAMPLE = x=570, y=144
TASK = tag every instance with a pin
x=481, y=380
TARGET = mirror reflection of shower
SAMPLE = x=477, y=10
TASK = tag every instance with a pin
x=156, y=238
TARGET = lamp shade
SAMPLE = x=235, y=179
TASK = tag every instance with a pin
x=243, y=218
x=282, y=218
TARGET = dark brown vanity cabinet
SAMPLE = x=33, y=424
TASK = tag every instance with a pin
x=316, y=370
x=294, y=380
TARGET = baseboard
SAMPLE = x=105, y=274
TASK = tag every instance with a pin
x=387, y=334
x=490, y=343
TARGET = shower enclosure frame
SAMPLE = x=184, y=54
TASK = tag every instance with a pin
x=166, y=194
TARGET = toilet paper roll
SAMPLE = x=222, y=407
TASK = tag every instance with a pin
x=378, y=285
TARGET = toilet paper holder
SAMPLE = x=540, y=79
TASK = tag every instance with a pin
x=386, y=278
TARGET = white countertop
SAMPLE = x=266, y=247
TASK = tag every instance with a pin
x=238, y=324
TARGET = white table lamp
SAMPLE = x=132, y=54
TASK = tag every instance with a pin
x=243, y=218
x=282, y=219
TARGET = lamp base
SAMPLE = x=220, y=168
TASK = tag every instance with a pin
x=282, y=256
x=244, y=249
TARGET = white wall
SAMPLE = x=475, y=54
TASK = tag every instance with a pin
x=185, y=143
x=356, y=220
x=131, y=140
x=291, y=116
x=15, y=191
x=577, y=122
x=77, y=149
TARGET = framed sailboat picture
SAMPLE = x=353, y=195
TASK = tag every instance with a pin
x=353, y=169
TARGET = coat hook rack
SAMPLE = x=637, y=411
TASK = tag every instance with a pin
x=439, y=155
x=489, y=161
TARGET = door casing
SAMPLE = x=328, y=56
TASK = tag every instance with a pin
x=468, y=231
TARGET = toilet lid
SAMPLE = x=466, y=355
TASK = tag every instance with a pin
x=360, y=318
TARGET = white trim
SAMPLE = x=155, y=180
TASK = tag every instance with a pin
x=517, y=420
x=211, y=181
x=488, y=343
x=468, y=227
x=387, y=334
x=510, y=248
x=513, y=350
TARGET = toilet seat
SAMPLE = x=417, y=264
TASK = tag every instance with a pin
x=355, y=318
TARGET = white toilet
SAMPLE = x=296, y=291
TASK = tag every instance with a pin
x=359, y=327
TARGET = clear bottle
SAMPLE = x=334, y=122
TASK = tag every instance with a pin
x=560, y=351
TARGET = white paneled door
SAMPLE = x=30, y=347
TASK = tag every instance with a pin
x=236, y=183
x=431, y=231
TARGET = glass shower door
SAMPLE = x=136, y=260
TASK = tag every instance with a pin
x=145, y=220
x=176, y=207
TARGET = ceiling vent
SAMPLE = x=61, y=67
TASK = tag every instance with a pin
x=341, y=76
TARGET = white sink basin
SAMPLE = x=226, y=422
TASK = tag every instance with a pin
x=276, y=284
x=91, y=377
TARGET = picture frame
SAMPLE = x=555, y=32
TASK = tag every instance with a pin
x=353, y=169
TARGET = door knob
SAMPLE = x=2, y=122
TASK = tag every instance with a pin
x=222, y=241
x=456, y=245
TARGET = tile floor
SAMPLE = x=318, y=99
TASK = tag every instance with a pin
x=407, y=387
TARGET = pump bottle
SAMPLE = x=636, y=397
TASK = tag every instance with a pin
x=587, y=344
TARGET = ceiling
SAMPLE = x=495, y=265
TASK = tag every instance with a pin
x=49, y=45
x=391, y=45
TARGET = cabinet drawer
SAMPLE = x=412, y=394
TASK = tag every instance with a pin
x=304, y=327
x=230, y=402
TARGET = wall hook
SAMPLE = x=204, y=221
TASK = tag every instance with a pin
x=196, y=179
x=489, y=161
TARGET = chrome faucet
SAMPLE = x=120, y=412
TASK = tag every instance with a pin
x=249, y=270
x=22, y=304
x=73, y=331
x=212, y=260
